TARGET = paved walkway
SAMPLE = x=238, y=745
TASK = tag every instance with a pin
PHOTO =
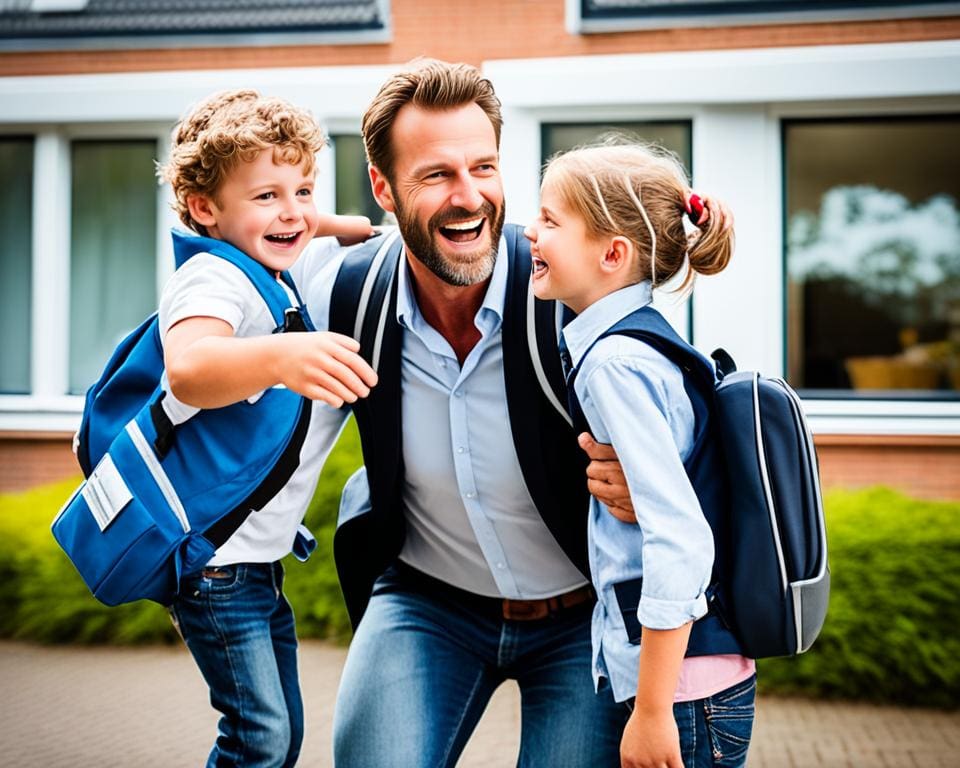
x=147, y=708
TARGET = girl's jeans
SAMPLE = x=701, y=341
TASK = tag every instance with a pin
x=239, y=627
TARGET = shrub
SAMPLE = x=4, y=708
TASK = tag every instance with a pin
x=43, y=598
x=891, y=630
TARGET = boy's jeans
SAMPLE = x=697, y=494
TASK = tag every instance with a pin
x=715, y=731
x=422, y=667
x=239, y=627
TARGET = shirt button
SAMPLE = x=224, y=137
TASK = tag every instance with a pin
x=471, y=495
x=458, y=393
x=501, y=566
x=461, y=449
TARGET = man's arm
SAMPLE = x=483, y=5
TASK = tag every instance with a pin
x=605, y=479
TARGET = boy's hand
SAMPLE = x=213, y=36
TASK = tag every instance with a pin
x=323, y=366
x=605, y=479
x=349, y=230
x=651, y=741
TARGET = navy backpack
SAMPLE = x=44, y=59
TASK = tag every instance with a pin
x=754, y=469
x=167, y=484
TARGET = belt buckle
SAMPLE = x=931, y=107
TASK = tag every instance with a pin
x=524, y=610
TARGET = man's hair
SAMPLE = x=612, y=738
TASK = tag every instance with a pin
x=429, y=84
x=232, y=127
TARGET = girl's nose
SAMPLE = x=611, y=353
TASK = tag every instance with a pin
x=530, y=233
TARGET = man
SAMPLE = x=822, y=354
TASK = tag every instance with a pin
x=468, y=565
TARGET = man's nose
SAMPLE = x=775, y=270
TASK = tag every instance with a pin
x=467, y=194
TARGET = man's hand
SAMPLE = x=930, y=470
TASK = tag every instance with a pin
x=605, y=479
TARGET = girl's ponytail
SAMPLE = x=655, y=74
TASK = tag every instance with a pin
x=711, y=246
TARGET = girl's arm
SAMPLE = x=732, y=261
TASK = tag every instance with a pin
x=208, y=367
x=651, y=737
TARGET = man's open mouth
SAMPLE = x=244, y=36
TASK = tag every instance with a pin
x=287, y=238
x=463, y=231
x=540, y=267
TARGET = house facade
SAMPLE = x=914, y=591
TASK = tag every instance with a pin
x=832, y=129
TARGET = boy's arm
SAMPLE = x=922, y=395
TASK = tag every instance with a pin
x=651, y=736
x=208, y=367
x=349, y=230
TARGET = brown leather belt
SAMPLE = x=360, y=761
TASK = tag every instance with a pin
x=511, y=610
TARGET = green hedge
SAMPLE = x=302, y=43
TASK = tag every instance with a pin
x=891, y=633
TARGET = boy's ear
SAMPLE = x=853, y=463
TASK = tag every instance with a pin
x=617, y=256
x=382, y=191
x=201, y=210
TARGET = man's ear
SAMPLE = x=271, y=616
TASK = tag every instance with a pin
x=617, y=255
x=382, y=191
x=201, y=210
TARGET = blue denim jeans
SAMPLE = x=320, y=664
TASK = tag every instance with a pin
x=715, y=731
x=240, y=630
x=422, y=667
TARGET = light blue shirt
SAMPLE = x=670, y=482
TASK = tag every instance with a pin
x=633, y=397
x=470, y=519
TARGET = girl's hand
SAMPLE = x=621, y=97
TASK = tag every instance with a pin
x=349, y=230
x=323, y=366
x=651, y=741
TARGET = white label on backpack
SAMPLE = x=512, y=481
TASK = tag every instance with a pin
x=105, y=492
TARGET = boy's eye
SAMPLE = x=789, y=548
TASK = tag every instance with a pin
x=266, y=196
x=305, y=192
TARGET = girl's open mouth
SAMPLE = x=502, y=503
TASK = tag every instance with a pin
x=540, y=267
x=463, y=231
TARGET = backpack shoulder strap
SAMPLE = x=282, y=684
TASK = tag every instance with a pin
x=276, y=298
x=543, y=323
x=364, y=281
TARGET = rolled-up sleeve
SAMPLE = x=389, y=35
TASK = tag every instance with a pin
x=641, y=403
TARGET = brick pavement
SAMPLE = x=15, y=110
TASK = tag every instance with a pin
x=146, y=708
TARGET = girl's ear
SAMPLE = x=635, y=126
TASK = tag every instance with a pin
x=201, y=210
x=618, y=255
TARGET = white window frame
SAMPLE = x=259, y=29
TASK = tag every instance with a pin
x=56, y=110
x=736, y=100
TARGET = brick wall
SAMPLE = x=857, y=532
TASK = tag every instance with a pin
x=927, y=467
x=473, y=32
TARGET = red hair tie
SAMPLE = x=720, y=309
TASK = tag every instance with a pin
x=694, y=207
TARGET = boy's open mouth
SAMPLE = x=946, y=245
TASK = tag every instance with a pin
x=289, y=238
x=540, y=267
x=463, y=231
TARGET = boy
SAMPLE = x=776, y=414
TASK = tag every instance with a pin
x=242, y=169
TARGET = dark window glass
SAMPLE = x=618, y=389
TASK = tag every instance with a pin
x=674, y=135
x=873, y=255
x=353, y=194
x=16, y=217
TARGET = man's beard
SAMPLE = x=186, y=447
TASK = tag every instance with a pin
x=421, y=244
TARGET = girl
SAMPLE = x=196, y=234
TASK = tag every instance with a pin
x=610, y=229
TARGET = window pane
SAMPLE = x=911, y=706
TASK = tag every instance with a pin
x=113, y=284
x=873, y=254
x=354, y=196
x=675, y=136
x=16, y=216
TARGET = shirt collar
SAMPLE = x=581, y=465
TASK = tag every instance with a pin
x=581, y=332
x=408, y=313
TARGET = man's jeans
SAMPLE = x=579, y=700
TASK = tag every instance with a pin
x=421, y=669
x=239, y=627
x=715, y=731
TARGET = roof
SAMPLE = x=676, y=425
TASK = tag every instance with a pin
x=73, y=21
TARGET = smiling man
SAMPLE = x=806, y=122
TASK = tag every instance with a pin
x=464, y=564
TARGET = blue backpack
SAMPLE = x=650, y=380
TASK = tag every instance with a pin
x=754, y=469
x=167, y=484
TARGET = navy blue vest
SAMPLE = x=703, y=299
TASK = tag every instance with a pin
x=552, y=464
x=705, y=468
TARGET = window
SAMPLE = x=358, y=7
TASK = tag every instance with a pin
x=353, y=194
x=113, y=238
x=674, y=135
x=872, y=248
x=16, y=213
